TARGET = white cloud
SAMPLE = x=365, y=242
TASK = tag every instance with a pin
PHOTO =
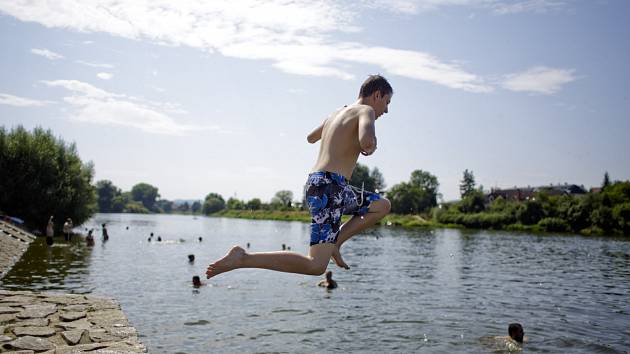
x=46, y=53
x=296, y=36
x=105, y=76
x=94, y=65
x=94, y=105
x=21, y=101
x=501, y=7
x=539, y=79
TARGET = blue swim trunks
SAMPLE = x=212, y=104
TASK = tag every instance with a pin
x=329, y=196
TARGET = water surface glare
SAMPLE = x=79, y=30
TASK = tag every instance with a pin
x=434, y=291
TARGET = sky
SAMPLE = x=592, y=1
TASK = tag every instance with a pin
x=196, y=97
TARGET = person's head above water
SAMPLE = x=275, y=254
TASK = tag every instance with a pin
x=515, y=330
x=191, y=258
x=377, y=93
x=196, y=281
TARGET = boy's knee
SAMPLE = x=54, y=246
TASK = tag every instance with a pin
x=318, y=269
x=386, y=206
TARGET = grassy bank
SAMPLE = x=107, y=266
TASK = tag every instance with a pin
x=407, y=221
x=304, y=216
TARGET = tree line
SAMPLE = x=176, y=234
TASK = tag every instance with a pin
x=606, y=211
x=42, y=175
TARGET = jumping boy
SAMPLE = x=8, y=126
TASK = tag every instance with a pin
x=344, y=135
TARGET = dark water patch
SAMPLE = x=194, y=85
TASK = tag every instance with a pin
x=197, y=323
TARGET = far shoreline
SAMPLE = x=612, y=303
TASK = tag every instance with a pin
x=404, y=221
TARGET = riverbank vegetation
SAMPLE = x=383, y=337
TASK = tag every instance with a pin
x=41, y=175
x=604, y=210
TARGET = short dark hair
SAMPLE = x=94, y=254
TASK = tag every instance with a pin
x=515, y=330
x=375, y=83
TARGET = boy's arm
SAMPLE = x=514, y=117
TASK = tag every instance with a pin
x=367, y=134
x=316, y=134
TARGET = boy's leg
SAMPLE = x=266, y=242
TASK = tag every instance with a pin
x=291, y=262
x=378, y=209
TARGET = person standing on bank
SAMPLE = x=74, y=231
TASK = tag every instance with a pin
x=346, y=133
x=50, y=231
x=67, y=229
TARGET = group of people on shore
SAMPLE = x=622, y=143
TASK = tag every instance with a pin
x=68, y=232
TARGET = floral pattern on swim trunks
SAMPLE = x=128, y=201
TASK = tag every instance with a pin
x=329, y=196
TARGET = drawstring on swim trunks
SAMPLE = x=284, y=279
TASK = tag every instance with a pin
x=354, y=189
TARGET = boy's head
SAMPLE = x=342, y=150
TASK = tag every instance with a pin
x=515, y=330
x=376, y=89
x=196, y=281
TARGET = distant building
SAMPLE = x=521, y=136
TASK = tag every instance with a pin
x=527, y=193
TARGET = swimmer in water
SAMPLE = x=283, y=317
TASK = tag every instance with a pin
x=513, y=342
x=196, y=281
x=328, y=283
x=347, y=133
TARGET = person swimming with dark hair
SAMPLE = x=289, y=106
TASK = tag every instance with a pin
x=329, y=283
x=515, y=330
x=512, y=343
x=197, y=281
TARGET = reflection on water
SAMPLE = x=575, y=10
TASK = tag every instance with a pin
x=407, y=290
x=62, y=266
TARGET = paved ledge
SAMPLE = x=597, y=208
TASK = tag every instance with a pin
x=50, y=323
x=13, y=243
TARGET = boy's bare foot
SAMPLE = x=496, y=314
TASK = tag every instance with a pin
x=336, y=256
x=229, y=262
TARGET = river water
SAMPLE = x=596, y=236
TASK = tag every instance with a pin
x=408, y=290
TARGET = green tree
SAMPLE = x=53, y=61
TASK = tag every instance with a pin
x=417, y=195
x=254, y=204
x=378, y=180
x=135, y=207
x=106, y=192
x=283, y=198
x=184, y=208
x=145, y=194
x=621, y=214
x=41, y=175
x=164, y=205
x=196, y=207
x=467, y=184
x=120, y=202
x=370, y=180
x=428, y=183
x=213, y=203
x=473, y=202
x=531, y=212
x=235, y=204
x=606, y=181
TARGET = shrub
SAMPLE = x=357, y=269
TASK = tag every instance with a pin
x=553, y=225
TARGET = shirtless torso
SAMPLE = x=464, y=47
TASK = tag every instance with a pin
x=344, y=135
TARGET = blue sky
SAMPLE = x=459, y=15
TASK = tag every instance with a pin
x=197, y=97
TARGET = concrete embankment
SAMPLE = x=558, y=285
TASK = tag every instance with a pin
x=64, y=323
x=13, y=243
x=32, y=322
